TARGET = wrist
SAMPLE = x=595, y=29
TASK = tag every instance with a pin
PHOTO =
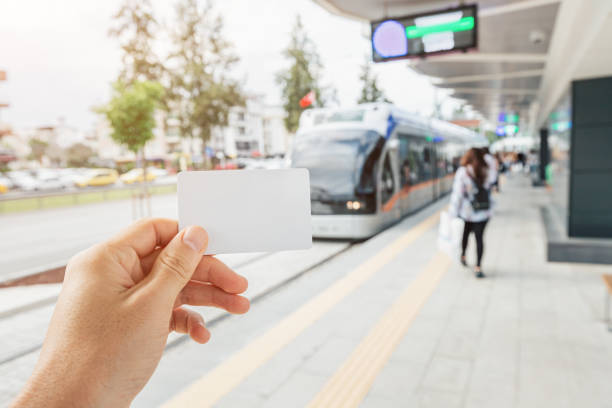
x=51, y=387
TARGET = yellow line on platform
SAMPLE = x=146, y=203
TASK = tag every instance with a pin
x=352, y=381
x=227, y=375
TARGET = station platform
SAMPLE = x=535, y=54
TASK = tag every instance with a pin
x=394, y=322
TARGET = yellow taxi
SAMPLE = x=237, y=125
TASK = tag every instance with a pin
x=5, y=184
x=136, y=176
x=99, y=177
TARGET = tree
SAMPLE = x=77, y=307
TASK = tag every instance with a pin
x=78, y=155
x=370, y=92
x=131, y=116
x=135, y=28
x=301, y=77
x=202, y=92
x=131, y=113
x=37, y=149
x=459, y=112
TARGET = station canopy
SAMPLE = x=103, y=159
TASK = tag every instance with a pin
x=528, y=51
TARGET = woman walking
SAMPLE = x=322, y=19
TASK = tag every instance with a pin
x=471, y=201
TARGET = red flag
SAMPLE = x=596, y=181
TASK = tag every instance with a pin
x=307, y=100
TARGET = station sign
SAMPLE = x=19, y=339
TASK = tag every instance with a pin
x=424, y=34
x=508, y=118
x=561, y=126
x=506, y=130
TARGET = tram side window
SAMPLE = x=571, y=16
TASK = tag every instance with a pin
x=410, y=167
x=457, y=159
x=454, y=157
x=441, y=156
x=451, y=159
x=427, y=163
x=388, y=184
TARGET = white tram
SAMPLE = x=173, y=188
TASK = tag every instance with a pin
x=373, y=164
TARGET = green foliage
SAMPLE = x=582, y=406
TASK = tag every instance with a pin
x=370, y=92
x=38, y=148
x=490, y=135
x=201, y=93
x=131, y=113
x=301, y=77
x=459, y=112
x=135, y=28
x=78, y=155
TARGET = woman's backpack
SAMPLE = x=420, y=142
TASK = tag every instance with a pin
x=482, y=199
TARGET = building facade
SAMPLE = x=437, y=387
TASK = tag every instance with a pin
x=253, y=130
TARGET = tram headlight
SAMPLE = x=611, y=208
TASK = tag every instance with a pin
x=355, y=205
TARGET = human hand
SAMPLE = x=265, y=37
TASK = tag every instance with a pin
x=119, y=301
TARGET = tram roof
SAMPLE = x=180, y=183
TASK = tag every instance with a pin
x=376, y=116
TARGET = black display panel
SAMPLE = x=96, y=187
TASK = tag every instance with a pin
x=424, y=34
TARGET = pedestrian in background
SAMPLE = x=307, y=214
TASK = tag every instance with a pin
x=492, y=167
x=501, y=169
x=471, y=201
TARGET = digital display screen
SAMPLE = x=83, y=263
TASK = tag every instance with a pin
x=424, y=34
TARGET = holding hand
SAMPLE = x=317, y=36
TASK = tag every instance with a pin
x=119, y=301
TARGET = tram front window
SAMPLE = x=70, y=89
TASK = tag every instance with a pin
x=335, y=160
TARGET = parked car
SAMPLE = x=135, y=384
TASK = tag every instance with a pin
x=137, y=176
x=5, y=184
x=157, y=172
x=23, y=180
x=50, y=179
x=98, y=177
x=70, y=177
x=226, y=166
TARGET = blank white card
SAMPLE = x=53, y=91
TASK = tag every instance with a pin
x=247, y=210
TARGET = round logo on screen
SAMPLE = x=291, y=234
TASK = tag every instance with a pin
x=389, y=39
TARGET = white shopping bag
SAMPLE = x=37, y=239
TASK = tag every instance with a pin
x=449, y=235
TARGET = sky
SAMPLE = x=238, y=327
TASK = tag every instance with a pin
x=60, y=61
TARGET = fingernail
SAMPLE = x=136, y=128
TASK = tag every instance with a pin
x=195, y=237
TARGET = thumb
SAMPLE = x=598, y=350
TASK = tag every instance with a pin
x=177, y=262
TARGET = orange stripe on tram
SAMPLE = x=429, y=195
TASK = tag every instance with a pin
x=405, y=191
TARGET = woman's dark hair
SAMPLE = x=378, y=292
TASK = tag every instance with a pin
x=475, y=158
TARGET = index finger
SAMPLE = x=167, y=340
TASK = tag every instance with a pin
x=212, y=270
x=146, y=235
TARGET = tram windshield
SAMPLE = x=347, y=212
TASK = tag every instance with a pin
x=334, y=158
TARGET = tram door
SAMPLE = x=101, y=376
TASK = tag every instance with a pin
x=429, y=158
x=435, y=173
x=411, y=173
x=389, y=187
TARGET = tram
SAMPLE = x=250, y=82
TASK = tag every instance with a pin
x=373, y=164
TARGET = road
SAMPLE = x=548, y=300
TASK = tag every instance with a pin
x=35, y=240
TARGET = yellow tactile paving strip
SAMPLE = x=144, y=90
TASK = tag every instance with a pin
x=351, y=383
x=227, y=375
